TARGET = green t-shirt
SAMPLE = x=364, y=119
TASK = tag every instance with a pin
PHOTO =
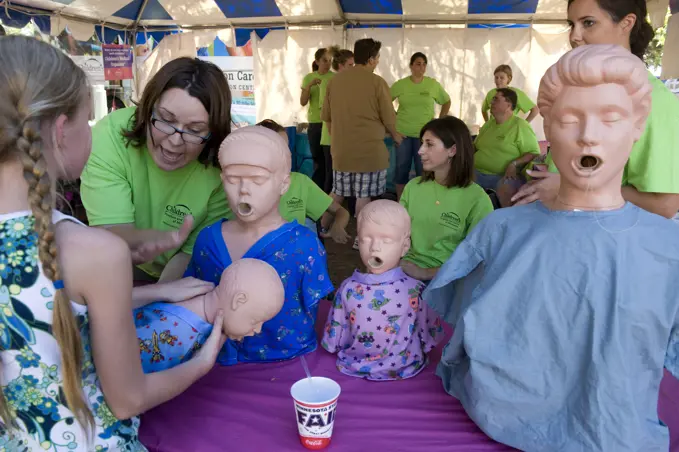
x=416, y=103
x=523, y=102
x=122, y=184
x=498, y=144
x=653, y=165
x=303, y=199
x=315, y=105
x=325, y=134
x=441, y=218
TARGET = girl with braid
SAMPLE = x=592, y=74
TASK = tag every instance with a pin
x=65, y=289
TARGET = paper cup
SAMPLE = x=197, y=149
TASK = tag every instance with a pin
x=315, y=407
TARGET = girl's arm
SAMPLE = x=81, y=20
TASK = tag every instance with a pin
x=533, y=113
x=97, y=271
x=445, y=108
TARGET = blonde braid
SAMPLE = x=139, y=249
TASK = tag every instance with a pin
x=64, y=325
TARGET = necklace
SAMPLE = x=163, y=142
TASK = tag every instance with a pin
x=611, y=207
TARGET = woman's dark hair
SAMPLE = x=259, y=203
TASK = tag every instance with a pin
x=417, y=55
x=642, y=33
x=339, y=56
x=453, y=131
x=317, y=56
x=272, y=125
x=200, y=79
x=364, y=49
x=510, y=95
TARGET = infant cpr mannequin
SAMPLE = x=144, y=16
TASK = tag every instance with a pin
x=378, y=326
x=563, y=315
x=249, y=293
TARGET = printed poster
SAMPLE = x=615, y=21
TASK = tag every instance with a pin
x=239, y=72
x=118, y=61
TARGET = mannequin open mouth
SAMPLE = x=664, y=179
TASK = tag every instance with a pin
x=589, y=163
x=244, y=209
x=375, y=262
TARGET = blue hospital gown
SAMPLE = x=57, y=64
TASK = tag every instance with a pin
x=168, y=335
x=300, y=260
x=562, y=324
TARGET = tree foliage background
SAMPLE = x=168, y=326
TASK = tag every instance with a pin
x=654, y=52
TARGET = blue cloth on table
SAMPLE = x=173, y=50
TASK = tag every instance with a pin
x=562, y=324
x=168, y=335
x=300, y=260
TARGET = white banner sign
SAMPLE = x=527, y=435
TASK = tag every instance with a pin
x=93, y=67
x=239, y=72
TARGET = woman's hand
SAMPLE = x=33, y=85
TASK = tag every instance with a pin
x=184, y=289
x=161, y=241
x=207, y=355
x=511, y=172
x=412, y=270
x=316, y=81
x=544, y=186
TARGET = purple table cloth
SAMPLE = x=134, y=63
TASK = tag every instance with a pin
x=248, y=408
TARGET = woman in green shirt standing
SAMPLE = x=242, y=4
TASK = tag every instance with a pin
x=311, y=96
x=651, y=177
x=444, y=204
x=503, y=77
x=417, y=95
x=153, y=177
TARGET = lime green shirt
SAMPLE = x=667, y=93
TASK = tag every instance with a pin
x=498, y=144
x=303, y=199
x=315, y=105
x=325, y=133
x=122, y=184
x=416, y=103
x=441, y=218
x=523, y=102
x=653, y=165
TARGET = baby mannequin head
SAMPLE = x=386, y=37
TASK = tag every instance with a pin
x=255, y=164
x=250, y=292
x=595, y=101
x=383, y=234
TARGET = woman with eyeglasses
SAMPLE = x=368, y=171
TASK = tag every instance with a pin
x=153, y=177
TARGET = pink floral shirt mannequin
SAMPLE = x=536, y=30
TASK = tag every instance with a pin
x=378, y=326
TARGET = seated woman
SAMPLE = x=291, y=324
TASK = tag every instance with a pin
x=559, y=345
x=505, y=144
x=444, y=204
x=378, y=326
x=306, y=199
x=255, y=165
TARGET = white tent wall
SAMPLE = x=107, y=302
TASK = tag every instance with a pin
x=281, y=60
x=462, y=59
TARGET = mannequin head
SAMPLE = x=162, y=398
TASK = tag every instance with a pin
x=383, y=234
x=595, y=101
x=250, y=292
x=255, y=164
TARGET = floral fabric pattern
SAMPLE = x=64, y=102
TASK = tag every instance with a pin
x=31, y=376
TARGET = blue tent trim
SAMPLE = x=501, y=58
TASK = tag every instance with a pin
x=372, y=6
x=17, y=19
x=502, y=6
x=238, y=9
x=153, y=11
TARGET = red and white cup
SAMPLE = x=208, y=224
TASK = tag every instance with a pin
x=315, y=408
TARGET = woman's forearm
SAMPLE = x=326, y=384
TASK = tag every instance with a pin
x=664, y=204
x=175, y=268
x=533, y=113
x=445, y=108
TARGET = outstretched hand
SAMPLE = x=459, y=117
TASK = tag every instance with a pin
x=207, y=355
x=161, y=242
x=543, y=187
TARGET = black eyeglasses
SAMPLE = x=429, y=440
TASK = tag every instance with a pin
x=169, y=129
